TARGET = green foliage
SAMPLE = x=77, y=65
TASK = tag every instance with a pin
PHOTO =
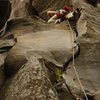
x=58, y=74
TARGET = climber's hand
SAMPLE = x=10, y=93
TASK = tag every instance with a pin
x=58, y=21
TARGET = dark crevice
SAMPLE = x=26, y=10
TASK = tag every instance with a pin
x=31, y=10
x=5, y=49
x=5, y=9
x=70, y=60
x=73, y=26
x=75, y=56
x=89, y=97
x=93, y=2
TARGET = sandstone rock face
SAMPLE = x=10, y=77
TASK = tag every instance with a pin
x=97, y=95
x=22, y=8
x=31, y=50
x=30, y=83
x=2, y=76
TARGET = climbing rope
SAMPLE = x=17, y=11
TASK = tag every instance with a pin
x=74, y=62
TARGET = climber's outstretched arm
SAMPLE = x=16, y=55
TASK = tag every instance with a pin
x=50, y=14
x=53, y=19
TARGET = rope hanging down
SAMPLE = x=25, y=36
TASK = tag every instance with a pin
x=74, y=62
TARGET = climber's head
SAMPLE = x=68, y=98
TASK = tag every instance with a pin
x=67, y=9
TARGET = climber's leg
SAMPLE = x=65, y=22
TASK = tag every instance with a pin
x=53, y=19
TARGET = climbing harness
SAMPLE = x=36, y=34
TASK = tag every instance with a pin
x=73, y=62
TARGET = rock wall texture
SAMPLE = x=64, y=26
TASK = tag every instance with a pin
x=31, y=50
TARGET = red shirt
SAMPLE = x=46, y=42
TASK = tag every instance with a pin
x=62, y=12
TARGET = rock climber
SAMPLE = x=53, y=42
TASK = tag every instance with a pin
x=58, y=16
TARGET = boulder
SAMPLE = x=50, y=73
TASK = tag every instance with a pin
x=2, y=76
x=30, y=82
x=97, y=95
